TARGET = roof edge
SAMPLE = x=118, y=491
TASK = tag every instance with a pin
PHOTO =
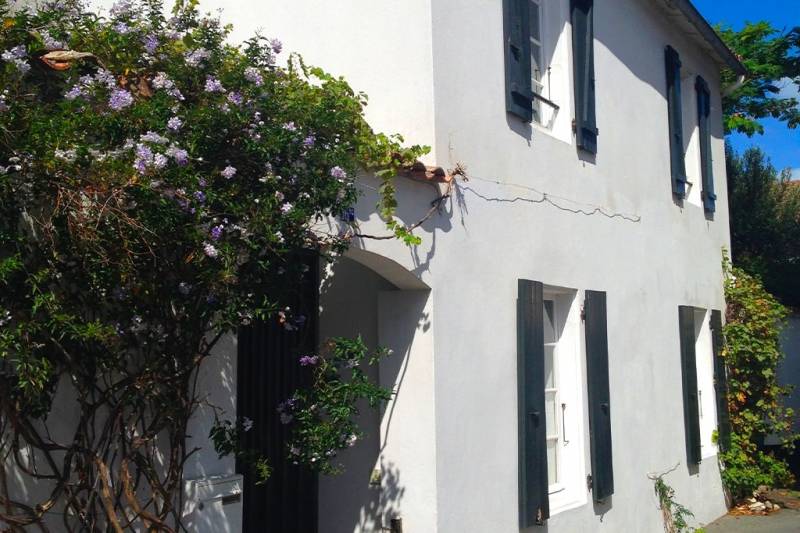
x=693, y=16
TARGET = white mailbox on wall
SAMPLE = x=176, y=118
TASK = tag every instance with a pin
x=214, y=504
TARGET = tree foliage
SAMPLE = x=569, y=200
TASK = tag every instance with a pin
x=159, y=188
x=765, y=221
x=772, y=58
x=755, y=399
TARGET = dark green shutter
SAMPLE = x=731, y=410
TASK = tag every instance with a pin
x=677, y=163
x=599, y=394
x=706, y=167
x=720, y=384
x=691, y=413
x=534, y=506
x=516, y=34
x=583, y=65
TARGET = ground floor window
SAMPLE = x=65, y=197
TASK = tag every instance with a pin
x=564, y=398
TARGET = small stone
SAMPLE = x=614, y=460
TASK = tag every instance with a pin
x=756, y=507
x=768, y=505
x=752, y=500
x=775, y=506
x=762, y=489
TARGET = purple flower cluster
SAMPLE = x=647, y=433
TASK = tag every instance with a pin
x=195, y=57
x=153, y=137
x=338, y=173
x=309, y=141
x=88, y=83
x=144, y=158
x=276, y=45
x=75, y=92
x=309, y=360
x=150, y=43
x=235, y=98
x=210, y=250
x=216, y=232
x=162, y=82
x=180, y=155
x=213, y=85
x=252, y=75
x=17, y=56
x=160, y=161
x=121, y=8
x=174, y=123
x=228, y=172
x=50, y=43
x=122, y=28
x=120, y=99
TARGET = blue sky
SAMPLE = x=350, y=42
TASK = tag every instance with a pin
x=782, y=144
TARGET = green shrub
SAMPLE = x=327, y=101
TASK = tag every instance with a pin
x=755, y=399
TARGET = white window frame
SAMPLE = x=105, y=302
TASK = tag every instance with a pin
x=536, y=81
x=706, y=399
x=553, y=83
x=569, y=490
x=557, y=423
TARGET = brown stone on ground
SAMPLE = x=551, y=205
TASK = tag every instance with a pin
x=788, y=499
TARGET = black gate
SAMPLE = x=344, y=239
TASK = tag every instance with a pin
x=268, y=374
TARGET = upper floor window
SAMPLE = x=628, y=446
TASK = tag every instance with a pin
x=537, y=69
x=689, y=108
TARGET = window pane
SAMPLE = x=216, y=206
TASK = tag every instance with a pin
x=536, y=64
x=551, y=414
x=552, y=462
x=549, y=370
x=534, y=19
x=549, y=322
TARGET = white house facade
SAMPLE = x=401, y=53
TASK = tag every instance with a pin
x=553, y=336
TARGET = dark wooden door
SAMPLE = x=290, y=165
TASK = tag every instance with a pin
x=268, y=374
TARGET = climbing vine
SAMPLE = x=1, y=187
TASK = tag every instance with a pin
x=752, y=353
x=675, y=516
x=159, y=189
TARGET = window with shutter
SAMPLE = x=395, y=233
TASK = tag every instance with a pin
x=720, y=383
x=703, y=121
x=599, y=395
x=516, y=33
x=583, y=65
x=674, y=107
x=691, y=412
x=532, y=432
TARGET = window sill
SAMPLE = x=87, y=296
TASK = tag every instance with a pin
x=537, y=127
x=567, y=502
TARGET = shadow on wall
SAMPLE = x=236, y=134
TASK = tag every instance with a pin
x=414, y=202
x=216, y=391
x=387, y=504
x=369, y=492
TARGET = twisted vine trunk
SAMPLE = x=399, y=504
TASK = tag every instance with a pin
x=118, y=466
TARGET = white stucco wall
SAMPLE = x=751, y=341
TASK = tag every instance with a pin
x=434, y=72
